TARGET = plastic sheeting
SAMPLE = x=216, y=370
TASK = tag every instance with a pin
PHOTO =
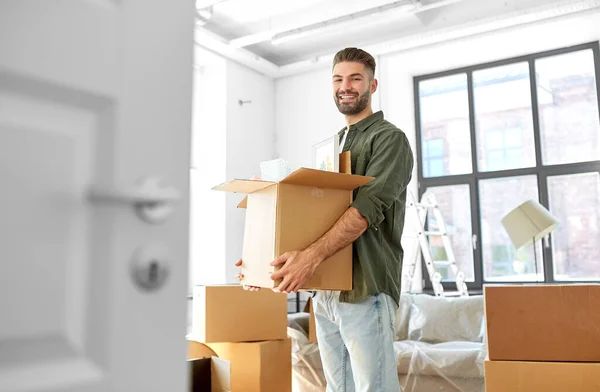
x=439, y=346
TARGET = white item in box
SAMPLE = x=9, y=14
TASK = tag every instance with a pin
x=275, y=170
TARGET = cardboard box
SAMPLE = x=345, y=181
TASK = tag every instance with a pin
x=543, y=322
x=259, y=366
x=208, y=373
x=517, y=376
x=228, y=313
x=290, y=215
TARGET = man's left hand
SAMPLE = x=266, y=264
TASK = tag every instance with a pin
x=298, y=267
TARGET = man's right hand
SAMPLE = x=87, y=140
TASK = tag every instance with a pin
x=240, y=276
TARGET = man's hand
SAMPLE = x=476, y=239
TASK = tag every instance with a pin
x=298, y=268
x=240, y=276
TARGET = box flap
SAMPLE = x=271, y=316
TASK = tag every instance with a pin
x=197, y=350
x=220, y=375
x=326, y=179
x=243, y=186
x=243, y=203
x=345, y=163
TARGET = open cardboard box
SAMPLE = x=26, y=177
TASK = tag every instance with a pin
x=290, y=215
x=209, y=373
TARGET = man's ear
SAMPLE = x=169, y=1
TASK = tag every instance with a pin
x=374, y=84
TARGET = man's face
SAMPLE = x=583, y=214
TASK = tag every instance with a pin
x=352, y=87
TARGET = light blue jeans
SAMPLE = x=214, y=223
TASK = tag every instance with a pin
x=356, y=342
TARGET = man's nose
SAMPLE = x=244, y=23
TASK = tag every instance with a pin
x=346, y=85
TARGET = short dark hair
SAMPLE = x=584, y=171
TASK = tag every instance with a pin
x=356, y=55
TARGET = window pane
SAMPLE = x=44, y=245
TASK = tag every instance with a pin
x=444, y=106
x=455, y=205
x=568, y=106
x=436, y=167
x=500, y=260
x=575, y=202
x=503, y=117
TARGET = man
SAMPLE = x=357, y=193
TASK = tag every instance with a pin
x=355, y=329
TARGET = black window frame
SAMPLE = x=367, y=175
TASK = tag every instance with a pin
x=542, y=172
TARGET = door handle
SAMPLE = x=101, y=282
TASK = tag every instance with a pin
x=152, y=201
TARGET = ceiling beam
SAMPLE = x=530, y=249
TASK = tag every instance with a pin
x=217, y=44
x=354, y=13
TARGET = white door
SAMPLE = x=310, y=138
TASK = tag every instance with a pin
x=94, y=95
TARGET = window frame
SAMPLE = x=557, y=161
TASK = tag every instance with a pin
x=542, y=172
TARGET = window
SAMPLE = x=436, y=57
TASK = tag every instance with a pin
x=433, y=158
x=492, y=136
x=503, y=149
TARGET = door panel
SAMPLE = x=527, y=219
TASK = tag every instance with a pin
x=93, y=95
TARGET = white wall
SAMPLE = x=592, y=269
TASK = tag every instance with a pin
x=308, y=97
x=207, y=207
x=229, y=142
x=250, y=140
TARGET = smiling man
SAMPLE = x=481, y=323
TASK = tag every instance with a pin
x=355, y=328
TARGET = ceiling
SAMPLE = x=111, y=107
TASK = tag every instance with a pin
x=282, y=37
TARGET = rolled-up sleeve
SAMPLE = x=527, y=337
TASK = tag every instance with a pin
x=391, y=164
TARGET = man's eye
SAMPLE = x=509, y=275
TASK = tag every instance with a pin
x=356, y=79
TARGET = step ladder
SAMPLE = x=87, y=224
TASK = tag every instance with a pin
x=420, y=212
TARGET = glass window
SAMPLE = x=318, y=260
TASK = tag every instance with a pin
x=503, y=118
x=568, y=108
x=555, y=143
x=455, y=206
x=575, y=202
x=433, y=158
x=444, y=114
x=500, y=259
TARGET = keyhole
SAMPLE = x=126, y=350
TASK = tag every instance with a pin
x=153, y=272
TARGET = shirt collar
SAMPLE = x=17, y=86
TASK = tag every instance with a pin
x=365, y=123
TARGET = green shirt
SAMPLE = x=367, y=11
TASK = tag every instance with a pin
x=378, y=149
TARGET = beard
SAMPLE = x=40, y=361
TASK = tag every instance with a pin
x=355, y=107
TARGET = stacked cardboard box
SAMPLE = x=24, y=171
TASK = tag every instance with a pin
x=248, y=329
x=542, y=338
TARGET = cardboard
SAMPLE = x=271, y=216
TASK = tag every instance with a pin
x=228, y=313
x=543, y=322
x=208, y=373
x=290, y=215
x=259, y=366
x=518, y=376
x=198, y=350
x=345, y=163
